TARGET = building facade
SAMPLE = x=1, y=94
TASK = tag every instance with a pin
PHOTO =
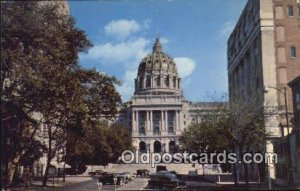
x=63, y=5
x=263, y=56
x=158, y=112
x=295, y=136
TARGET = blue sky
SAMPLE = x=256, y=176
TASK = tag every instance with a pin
x=193, y=32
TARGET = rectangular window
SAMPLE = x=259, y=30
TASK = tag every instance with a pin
x=298, y=101
x=290, y=10
x=293, y=52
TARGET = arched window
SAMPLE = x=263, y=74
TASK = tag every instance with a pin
x=148, y=82
x=155, y=81
x=174, y=82
x=158, y=81
x=157, y=147
x=141, y=81
x=167, y=81
x=142, y=147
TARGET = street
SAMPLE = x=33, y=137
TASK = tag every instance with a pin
x=91, y=185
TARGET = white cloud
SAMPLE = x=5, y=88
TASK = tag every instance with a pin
x=185, y=66
x=163, y=41
x=127, y=54
x=227, y=28
x=122, y=29
x=147, y=23
x=123, y=52
x=127, y=87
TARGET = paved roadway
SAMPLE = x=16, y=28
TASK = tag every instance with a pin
x=91, y=185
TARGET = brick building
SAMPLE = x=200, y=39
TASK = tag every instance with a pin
x=263, y=56
x=295, y=137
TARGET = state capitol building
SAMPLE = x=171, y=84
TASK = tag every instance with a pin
x=158, y=112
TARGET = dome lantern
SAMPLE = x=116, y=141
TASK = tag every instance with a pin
x=157, y=46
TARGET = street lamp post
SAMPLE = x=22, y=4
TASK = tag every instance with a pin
x=284, y=92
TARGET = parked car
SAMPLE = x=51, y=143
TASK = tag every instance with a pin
x=193, y=173
x=112, y=178
x=142, y=172
x=96, y=172
x=165, y=181
x=160, y=168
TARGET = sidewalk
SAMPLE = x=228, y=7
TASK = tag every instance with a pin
x=254, y=186
x=37, y=184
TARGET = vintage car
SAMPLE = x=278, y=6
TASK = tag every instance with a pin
x=165, y=181
x=112, y=178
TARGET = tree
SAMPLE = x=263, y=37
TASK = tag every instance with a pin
x=238, y=127
x=17, y=131
x=40, y=72
x=100, y=145
x=243, y=125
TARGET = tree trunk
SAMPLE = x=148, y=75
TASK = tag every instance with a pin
x=246, y=174
x=11, y=168
x=45, y=178
x=64, y=175
x=234, y=170
x=49, y=156
x=240, y=158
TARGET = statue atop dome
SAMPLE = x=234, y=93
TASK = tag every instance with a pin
x=157, y=46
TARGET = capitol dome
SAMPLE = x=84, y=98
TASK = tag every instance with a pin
x=157, y=73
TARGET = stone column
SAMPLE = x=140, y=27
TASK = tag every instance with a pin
x=147, y=121
x=133, y=120
x=151, y=82
x=176, y=120
x=167, y=147
x=166, y=120
x=137, y=120
x=179, y=121
x=151, y=120
x=144, y=82
x=162, y=121
x=150, y=144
